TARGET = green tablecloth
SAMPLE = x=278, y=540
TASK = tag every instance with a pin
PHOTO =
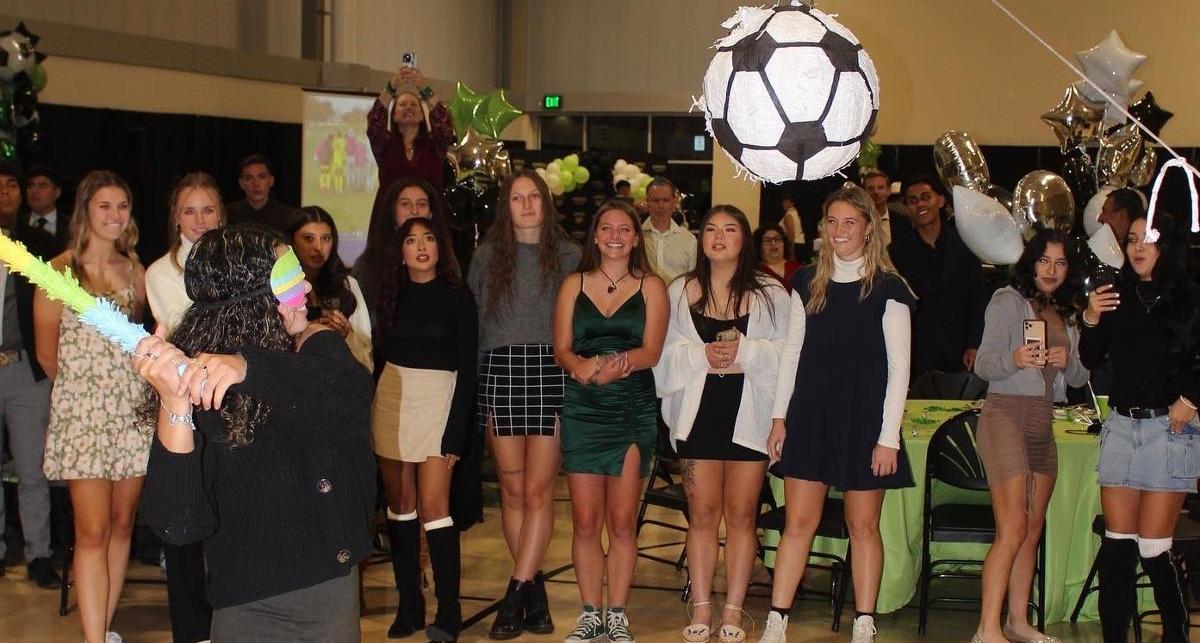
x=1070, y=543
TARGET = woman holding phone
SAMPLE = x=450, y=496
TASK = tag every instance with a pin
x=1147, y=327
x=1029, y=354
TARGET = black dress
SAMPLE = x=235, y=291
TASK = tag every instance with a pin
x=711, y=437
x=836, y=411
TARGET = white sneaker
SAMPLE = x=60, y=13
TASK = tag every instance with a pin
x=864, y=630
x=112, y=637
x=775, y=631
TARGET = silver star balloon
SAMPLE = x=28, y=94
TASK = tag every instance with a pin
x=1110, y=64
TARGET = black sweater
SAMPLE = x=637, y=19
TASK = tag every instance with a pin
x=291, y=509
x=1145, y=374
x=437, y=328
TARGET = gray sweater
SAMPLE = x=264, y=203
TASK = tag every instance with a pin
x=526, y=317
x=1003, y=333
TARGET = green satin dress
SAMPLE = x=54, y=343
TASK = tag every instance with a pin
x=600, y=422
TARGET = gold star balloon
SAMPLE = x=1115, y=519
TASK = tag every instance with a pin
x=1075, y=120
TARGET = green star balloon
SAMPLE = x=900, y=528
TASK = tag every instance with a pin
x=497, y=114
x=465, y=109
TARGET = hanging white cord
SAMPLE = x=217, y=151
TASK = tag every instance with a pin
x=1178, y=161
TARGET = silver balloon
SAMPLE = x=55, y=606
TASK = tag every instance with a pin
x=1043, y=200
x=998, y=193
x=959, y=161
x=1118, y=153
x=1143, y=170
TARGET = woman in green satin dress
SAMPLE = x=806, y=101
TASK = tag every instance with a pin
x=609, y=326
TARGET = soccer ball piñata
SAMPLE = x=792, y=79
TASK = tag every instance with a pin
x=791, y=93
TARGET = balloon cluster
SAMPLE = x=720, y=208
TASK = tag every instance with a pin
x=564, y=175
x=638, y=180
x=487, y=114
x=22, y=76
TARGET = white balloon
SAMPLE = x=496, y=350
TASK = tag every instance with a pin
x=554, y=166
x=556, y=189
x=986, y=227
x=620, y=165
x=1104, y=244
x=552, y=179
x=541, y=171
x=1091, y=211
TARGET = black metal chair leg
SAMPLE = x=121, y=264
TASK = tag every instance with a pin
x=1083, y=594
x=846, y=574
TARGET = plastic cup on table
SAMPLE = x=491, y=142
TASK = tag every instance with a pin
x=1102, y=406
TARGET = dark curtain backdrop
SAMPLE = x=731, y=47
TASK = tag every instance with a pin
x=152, y=150
x=1006, y=165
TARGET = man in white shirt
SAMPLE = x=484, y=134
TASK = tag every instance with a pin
x=42, y=191
x=670, y=247
x=893, y=216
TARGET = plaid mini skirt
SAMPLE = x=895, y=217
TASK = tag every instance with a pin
x=521, y=389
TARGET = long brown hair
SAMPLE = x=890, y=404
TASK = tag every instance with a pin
x=500, y=237
x=639, y=265
x=81, y=226
x=190, y=181
x=876, y=261
x=744, y=282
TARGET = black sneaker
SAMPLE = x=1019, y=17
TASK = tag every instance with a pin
x=41, y=572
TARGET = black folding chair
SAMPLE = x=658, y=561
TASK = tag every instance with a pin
x=953, y=460
x=663, y=491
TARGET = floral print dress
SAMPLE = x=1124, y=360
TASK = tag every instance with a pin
x=93, y=427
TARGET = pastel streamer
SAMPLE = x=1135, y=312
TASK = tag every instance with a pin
x=287, y=279
x=99, y=313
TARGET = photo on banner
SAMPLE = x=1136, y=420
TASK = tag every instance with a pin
x=338, y=169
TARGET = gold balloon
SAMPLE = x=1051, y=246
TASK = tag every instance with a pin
x=959, y=161
x=1143, y=170
x=476, y=156
x=1075, y=120
x=1043, y=200
x=1119, y=150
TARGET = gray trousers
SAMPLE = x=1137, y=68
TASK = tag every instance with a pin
x=24, y=417
x=323, y=613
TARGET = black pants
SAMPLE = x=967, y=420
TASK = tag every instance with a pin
x=187, y=593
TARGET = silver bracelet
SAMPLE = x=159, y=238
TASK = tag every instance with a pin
x=184, y=419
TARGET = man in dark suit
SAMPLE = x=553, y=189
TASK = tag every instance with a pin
x=256, y=177
x=24, y=388
x=947, y=279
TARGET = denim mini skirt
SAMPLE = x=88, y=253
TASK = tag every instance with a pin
x=1146, y=455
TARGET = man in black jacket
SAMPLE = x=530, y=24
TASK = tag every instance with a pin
x=256, y=177
x=24, y=389
x=42, y=191
x=947, y=279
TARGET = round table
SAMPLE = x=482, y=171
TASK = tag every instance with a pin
x=1070, y=544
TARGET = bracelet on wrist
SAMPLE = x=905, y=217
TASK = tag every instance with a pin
x=178, y=419
x=1083, y=319
x=426, y=92
x=1187, y=403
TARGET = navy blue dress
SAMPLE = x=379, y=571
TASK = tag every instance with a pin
x=836, y=411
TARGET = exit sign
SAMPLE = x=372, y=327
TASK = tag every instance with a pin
x=552, y=101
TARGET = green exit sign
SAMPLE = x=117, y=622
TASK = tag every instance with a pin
x=552, y=101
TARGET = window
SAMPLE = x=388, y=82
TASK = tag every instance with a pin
x=678, y=137
x=616, y=133
x=562, y=133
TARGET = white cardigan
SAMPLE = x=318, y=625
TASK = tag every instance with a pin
x=683, y=367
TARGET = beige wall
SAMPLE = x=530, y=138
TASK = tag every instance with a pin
x=943, y=64
x=734, y=190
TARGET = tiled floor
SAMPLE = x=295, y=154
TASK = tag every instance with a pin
x=28, y=614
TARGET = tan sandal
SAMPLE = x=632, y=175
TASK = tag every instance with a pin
x=697, y=632
x=732, y=633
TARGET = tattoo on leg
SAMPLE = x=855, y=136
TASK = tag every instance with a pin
x=512, y=472
x=688, y=469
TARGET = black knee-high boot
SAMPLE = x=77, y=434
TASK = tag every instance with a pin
x=1117, y=564
x=446, y=557
x=405, y=539
x=1168, y=594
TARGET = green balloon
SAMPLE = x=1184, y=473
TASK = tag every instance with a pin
x=565, y=177
x=640, y=193
x=570, y=161
x=465, y=108
x=38, y=76
x=582, y=175
x=497, y=113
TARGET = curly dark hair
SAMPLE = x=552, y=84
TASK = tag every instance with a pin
x=1180, y=294
x=225, y=268
x=1068, y=299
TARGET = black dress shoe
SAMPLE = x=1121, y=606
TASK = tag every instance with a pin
x=41, y=572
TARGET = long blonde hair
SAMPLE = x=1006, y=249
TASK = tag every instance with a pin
x=81, y=226
x=189, y=182
x=875, y=256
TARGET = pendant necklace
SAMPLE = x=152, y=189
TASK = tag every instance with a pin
x=1146, y=304
x=612, y=285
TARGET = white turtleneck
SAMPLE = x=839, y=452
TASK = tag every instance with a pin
x=897, y=338
x=164, y=287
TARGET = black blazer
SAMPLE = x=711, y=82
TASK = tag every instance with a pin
x=45, y=246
